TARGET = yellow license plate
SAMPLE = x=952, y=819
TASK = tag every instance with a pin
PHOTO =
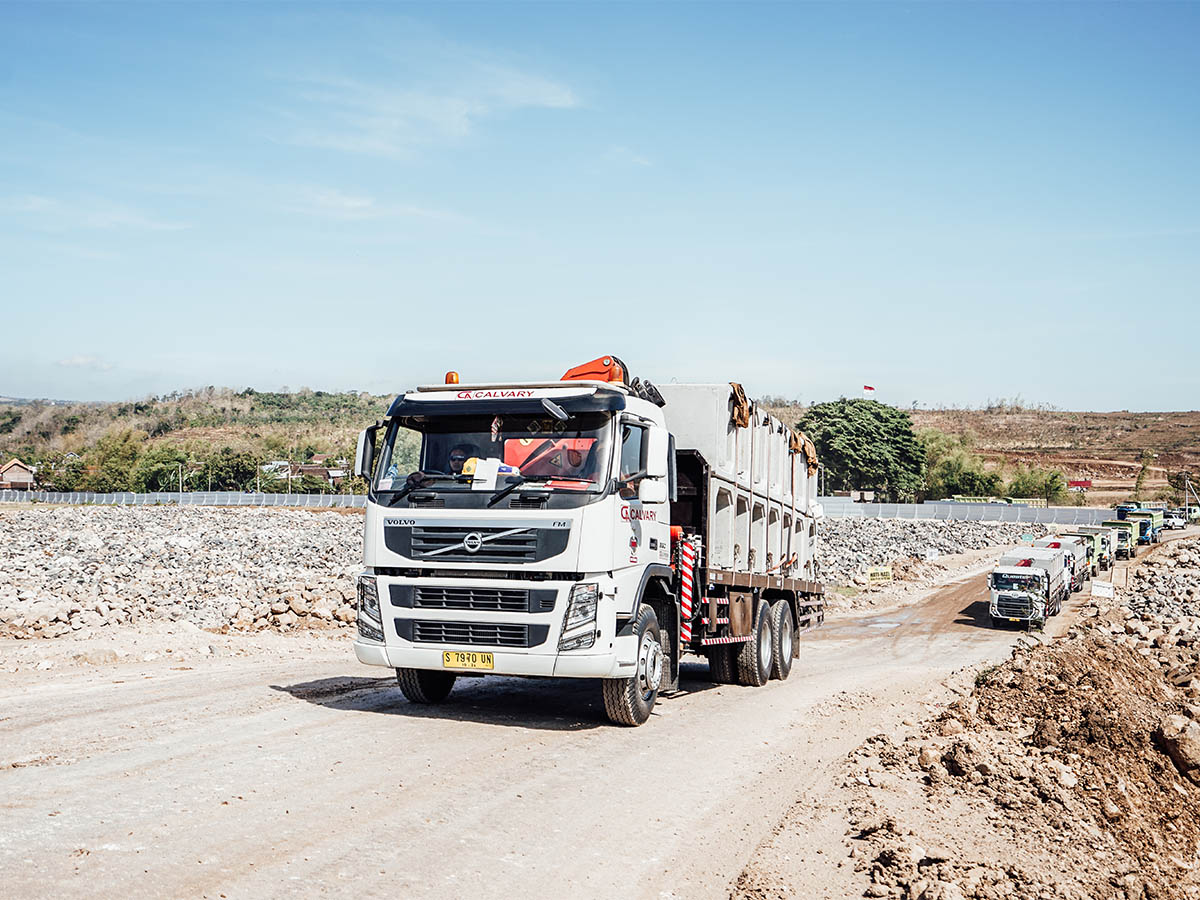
x=1014, y=620
x=459, y=659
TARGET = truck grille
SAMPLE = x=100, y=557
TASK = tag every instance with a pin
x=518, y=547
x=503, y=599
x=473, y=634
x=1013, y=607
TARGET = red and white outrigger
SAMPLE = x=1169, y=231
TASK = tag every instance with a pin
x=593, y=527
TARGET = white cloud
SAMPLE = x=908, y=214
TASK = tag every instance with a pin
x=621, y=154
x=57, y=215
x=93, y=363
x=385, y=119
x=332, y=203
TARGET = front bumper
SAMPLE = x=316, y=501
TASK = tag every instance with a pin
x=406, y=642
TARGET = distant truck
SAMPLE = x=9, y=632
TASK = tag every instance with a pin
x=1091, y=543
x=1028, y=585
x=1076, y=562
x=1126, y=547
x=1107, y=537
x=1149, y=522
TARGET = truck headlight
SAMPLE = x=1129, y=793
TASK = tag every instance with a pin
x=579, y=622
x=370, y=621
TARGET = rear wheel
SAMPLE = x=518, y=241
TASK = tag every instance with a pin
x=425, y=685
x=754, y=660
x=783, y=633
x=629, y=701
x=722, y=663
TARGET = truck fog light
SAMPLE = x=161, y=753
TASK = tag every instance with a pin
x=579, y=622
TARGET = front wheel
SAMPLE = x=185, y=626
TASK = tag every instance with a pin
x=629, y=701
x=783, y=633
x=425, y=685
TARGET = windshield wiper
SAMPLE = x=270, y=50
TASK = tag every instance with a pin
x=418, y=485
x=526, y=479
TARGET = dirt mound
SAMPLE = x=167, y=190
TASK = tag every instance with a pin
x=1051, y=779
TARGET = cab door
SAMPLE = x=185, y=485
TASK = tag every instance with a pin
x=643, y=533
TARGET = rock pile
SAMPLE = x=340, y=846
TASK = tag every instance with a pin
x=75, y=569
x=848, y=547
x=1168, y=583
x=1072, y=770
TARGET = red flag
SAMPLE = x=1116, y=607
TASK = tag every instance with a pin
x=867, y=389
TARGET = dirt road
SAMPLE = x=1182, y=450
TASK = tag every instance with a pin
x=305, y=774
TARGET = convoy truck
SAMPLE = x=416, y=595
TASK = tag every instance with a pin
x=1107, y=538
x=1126, y=547
x=1027, y=585
x=591, y=527
x=1149, y=522
x=1091, y=544
x=1076, y=562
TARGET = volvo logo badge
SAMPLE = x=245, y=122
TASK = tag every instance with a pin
x=472, y=542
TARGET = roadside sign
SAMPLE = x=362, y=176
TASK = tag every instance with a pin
x=1103, y=589
x=879, y=574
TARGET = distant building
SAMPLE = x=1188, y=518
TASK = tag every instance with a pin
x=17, y=476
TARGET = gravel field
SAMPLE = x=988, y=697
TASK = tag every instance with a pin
x=73, y=569
x=69, y=570
x=850, y=546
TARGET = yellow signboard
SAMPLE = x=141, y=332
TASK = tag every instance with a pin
x=879, y=574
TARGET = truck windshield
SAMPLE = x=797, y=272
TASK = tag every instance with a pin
x=1005, y=582
x=537, y=446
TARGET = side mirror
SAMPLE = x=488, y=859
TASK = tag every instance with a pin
x=656, y=452
x=365, y=454
x=653, y=490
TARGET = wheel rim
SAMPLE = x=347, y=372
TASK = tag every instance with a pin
x=785, y=641
x=764, y=645
x=650, y=657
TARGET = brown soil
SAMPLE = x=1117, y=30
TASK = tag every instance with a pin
x=1051, y=780
x=1104, y=447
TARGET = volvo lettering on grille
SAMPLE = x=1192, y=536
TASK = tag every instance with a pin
x=472, y=542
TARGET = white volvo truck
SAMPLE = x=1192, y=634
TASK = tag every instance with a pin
x=1028, y=585
x=593, y=527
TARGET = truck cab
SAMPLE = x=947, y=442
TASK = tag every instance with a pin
x=1126, y=537
x=1106, y=539
x=1027, y=585
x=1149, y=523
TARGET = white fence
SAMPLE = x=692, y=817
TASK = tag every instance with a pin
x=844, y=508
x=835, y=507
x=188, y=498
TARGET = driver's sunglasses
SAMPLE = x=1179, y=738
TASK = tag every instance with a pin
x=458, y=459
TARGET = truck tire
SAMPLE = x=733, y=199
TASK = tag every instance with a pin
x=629, y=701
x=721, y=664
x=425, y=685
x=783, y=637
x=754, y=659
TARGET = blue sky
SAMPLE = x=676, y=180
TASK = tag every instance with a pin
x=950, y=202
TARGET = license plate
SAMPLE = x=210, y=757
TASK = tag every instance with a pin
x=1014, y=620
x=460, y=659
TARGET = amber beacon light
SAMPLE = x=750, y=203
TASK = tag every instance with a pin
x=451, y=378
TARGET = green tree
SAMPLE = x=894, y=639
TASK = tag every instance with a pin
x=110, y=463
x=229, y=470
x=1046, y=484
x=866, y=445
x=951, y=467
x=158, y=469
x=310, y=484
x=61, y=472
